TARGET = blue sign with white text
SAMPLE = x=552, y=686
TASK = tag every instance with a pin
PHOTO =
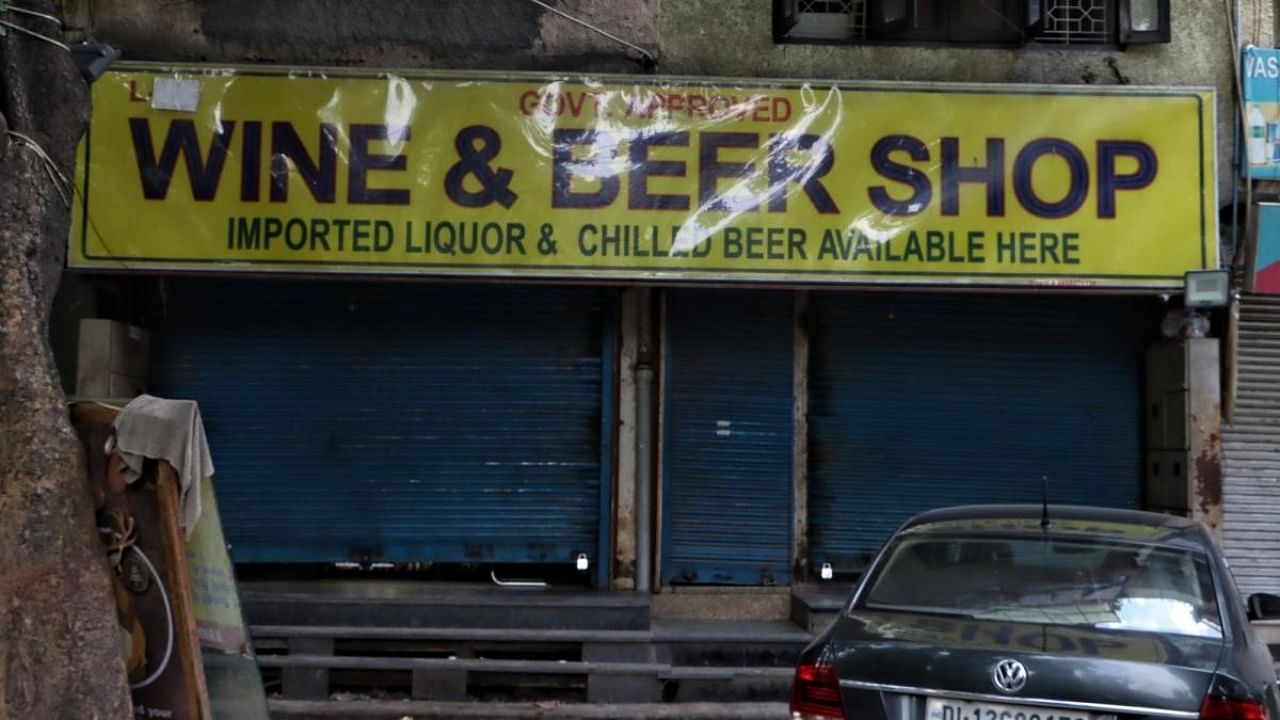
x=1262, y=111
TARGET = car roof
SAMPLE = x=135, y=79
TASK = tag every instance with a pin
x=1065, y=521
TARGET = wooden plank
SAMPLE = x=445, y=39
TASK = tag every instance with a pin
x=187, y=642
x=92, y=412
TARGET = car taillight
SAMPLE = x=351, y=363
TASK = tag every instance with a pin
x=815, y=693
x=1218, y=708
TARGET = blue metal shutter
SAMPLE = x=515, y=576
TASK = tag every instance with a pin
x=397, y=421
x=728, y=438
x=926, y=400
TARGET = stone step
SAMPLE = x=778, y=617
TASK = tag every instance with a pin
x=675, y=642
x=415, y=604
x=418, y=710
x=449, y=679
x=727, y=631
x=319, y=638
x=815, y=606
x=544, y=667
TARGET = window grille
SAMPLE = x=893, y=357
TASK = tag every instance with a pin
x=1059, y=22
x=858, y=18
x=842, y=7
x=1077, y=21
x=842, y=19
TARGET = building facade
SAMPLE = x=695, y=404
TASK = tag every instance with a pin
x=753, y=412
x=1251, y=453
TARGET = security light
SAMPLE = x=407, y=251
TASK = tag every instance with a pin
x=1208, y=289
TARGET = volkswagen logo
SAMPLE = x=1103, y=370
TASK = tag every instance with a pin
x=1009, y=676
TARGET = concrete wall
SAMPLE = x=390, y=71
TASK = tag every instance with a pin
x=690, y=37
x=1258, y=26
x=734, y=37
x=501, y=34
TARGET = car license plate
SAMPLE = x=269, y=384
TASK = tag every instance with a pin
x=945, y=709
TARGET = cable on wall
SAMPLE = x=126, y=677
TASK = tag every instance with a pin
x=597, y=29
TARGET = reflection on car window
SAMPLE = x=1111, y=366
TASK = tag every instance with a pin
x=1053, y=581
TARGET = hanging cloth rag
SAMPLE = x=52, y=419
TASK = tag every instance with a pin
x=161, y=429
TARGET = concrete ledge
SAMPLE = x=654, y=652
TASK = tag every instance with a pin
x=722, y=603
x=815, y=606
x=487, y=665
x=1268, y=630
x=410, y=592
x=396, y=710
x=482, y=665
x=667, y=631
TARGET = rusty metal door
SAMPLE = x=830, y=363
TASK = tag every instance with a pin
x=1251, y=452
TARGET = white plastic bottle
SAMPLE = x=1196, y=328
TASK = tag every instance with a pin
x=1257, y=137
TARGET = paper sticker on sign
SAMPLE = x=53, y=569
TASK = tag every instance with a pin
x=176, y=94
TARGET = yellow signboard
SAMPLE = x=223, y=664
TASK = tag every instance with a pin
x=645, y=179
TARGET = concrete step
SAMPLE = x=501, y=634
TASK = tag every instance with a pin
x=815, y=606
x=680, y=642
x=659, y=631
x=674, y=661
x=661, y=671
x=410, y=604
x=417, y=710
x=454, y=679
x=1268, y=630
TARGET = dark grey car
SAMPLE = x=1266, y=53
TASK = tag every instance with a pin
x=1022, y=613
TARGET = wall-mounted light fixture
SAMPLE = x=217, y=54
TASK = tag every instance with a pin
x=1144, y=21
x=1208, y=289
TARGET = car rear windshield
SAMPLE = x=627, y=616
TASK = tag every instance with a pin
x=1052, y=581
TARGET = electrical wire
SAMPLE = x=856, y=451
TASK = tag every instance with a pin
x=168, y=612
x=24, y=11
x=596, y=29
x=35, y=34
x=1242, y=109
x=1021, y=30
x=1257, y=21
x=60, y=181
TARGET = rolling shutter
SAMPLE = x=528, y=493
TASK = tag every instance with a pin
x=1251, y=452
x=927, y=400
x=727, y=438
x=397, y=422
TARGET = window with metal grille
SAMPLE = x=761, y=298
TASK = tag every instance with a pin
x=989, y=22
x=830, y=19
x=1077, y=21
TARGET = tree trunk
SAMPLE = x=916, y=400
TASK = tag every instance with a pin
x=59, y=646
